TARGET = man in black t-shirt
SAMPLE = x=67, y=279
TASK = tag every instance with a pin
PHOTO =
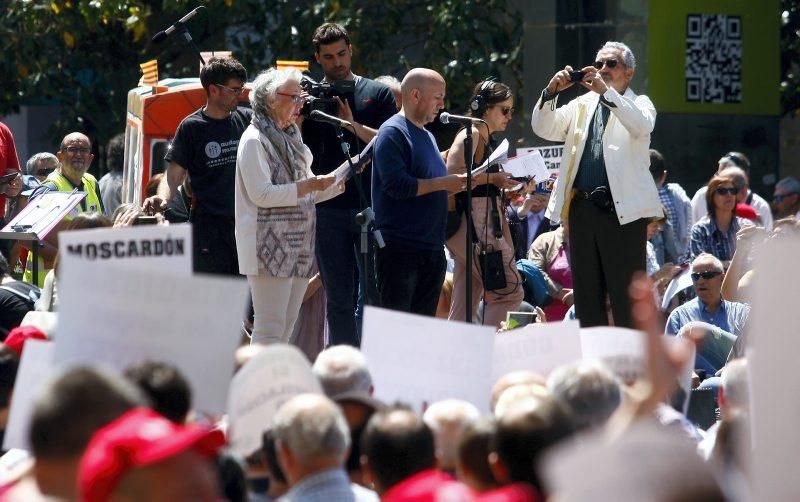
x=338, y=236
x=204, y=147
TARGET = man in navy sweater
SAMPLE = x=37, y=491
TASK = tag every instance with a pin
x=409, y=193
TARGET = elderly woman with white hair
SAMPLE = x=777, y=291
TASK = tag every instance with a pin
x=275, y=194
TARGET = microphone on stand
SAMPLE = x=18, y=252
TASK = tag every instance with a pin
x=320, y=116
x=161, y=35
x=447, y=118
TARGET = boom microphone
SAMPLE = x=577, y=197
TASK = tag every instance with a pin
x=447, y=118
x=320, y=116
x=161, y=35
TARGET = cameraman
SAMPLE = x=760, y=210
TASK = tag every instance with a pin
x=604, y=187
x=337, y=235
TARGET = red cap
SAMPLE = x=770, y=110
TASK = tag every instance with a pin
x=746, y=211
x=18, y=336
x=139, y=438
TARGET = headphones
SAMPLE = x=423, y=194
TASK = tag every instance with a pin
x=478, y=102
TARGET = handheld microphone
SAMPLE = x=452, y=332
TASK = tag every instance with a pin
x=161, y=35
x=447, y=118
x=328, y=119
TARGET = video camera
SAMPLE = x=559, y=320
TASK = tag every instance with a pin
x=321, y=94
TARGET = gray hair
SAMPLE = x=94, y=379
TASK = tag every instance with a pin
x=448, y=419
x=707, y=258
x=790, y=184
x=265, y=87
x=627, y=54
x=588, y=391
x=390, y=82
x=734, y=383
x=311, y=426
x=737, y=174
x=342, y=368
x=33, y=162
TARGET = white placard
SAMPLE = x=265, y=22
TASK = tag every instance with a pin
x=157, y=248
x=622, y=350
x=267, y=381
x=676, y=285
x=35, y=369
x=529, y=165
x=772, y=350
x=536, y=347
x=119, y=316
x=550, y=154
x=420, y=360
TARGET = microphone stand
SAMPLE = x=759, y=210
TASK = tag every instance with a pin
x=365, y=219
x=468, y=161
x=184, y=33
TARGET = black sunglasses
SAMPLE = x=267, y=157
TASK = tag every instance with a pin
x=728, y=191
x=780, y=197
x=506, y=110
x=705, y=275
x=611, y=63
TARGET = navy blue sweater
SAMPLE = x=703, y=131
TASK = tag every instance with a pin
x=405, y=153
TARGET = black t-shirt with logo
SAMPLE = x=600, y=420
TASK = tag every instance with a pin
x=207, y=147
x=372, y=104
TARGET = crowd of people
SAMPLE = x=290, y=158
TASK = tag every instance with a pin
x=271, y=196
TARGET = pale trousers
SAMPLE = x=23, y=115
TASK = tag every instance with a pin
x=497, y=302
x=276, y=304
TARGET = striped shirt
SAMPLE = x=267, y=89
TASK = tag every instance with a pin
x=706, y=237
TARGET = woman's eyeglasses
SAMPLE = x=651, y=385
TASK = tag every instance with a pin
x=506, y=110
x=296, y=98
x=705, y=275
x=726, y=191
x=611, y=63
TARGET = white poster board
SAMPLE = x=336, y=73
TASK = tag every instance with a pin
x=772, y=351
x=119, y=316
x=550, y=154
x=157, y=248
x=35, y=369
x=420, y=360
x=536, y=347
x=622, y=350
x=261, y=386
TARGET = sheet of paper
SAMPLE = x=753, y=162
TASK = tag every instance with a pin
x=120, y=316
x=772, y=348
x=677, y=284
x=530, y=165
x=343, y=172
x=536, y=347
x=420, y=360
x=157, y=248
x=261, y=386
x=499, y=155
x=550, y=154
x=35, y=369
x=621, y=349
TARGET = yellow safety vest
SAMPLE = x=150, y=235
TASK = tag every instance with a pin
x=89, y=204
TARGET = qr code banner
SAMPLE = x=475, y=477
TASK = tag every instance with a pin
x=713, y=58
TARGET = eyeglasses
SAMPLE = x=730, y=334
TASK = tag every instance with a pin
x=780, y=197
x=296, y=98
x=710, y=274
x=726, y=191
x=74, y=150
x=233, y=90
x=506, y=110
x=610, y=63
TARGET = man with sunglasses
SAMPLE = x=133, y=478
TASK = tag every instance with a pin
x=709, y=317
x=604, y=186
x=204, y=149
x=786, y=199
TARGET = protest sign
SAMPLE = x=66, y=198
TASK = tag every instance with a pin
x=35, y=369
x=772, y=350
x=420, y=360
x=550, y=154
x=164, y=248
x=121, y=315
x=269, y=379
x=620, y=349
x=536, y=347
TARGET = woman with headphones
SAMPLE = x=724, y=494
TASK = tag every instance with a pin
x=494, y=268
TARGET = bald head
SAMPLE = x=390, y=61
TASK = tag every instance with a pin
x=75, y=156
x=420, y=79
x=423, y=95
x=516, y=378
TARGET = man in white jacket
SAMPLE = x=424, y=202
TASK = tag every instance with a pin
x=604, y=187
